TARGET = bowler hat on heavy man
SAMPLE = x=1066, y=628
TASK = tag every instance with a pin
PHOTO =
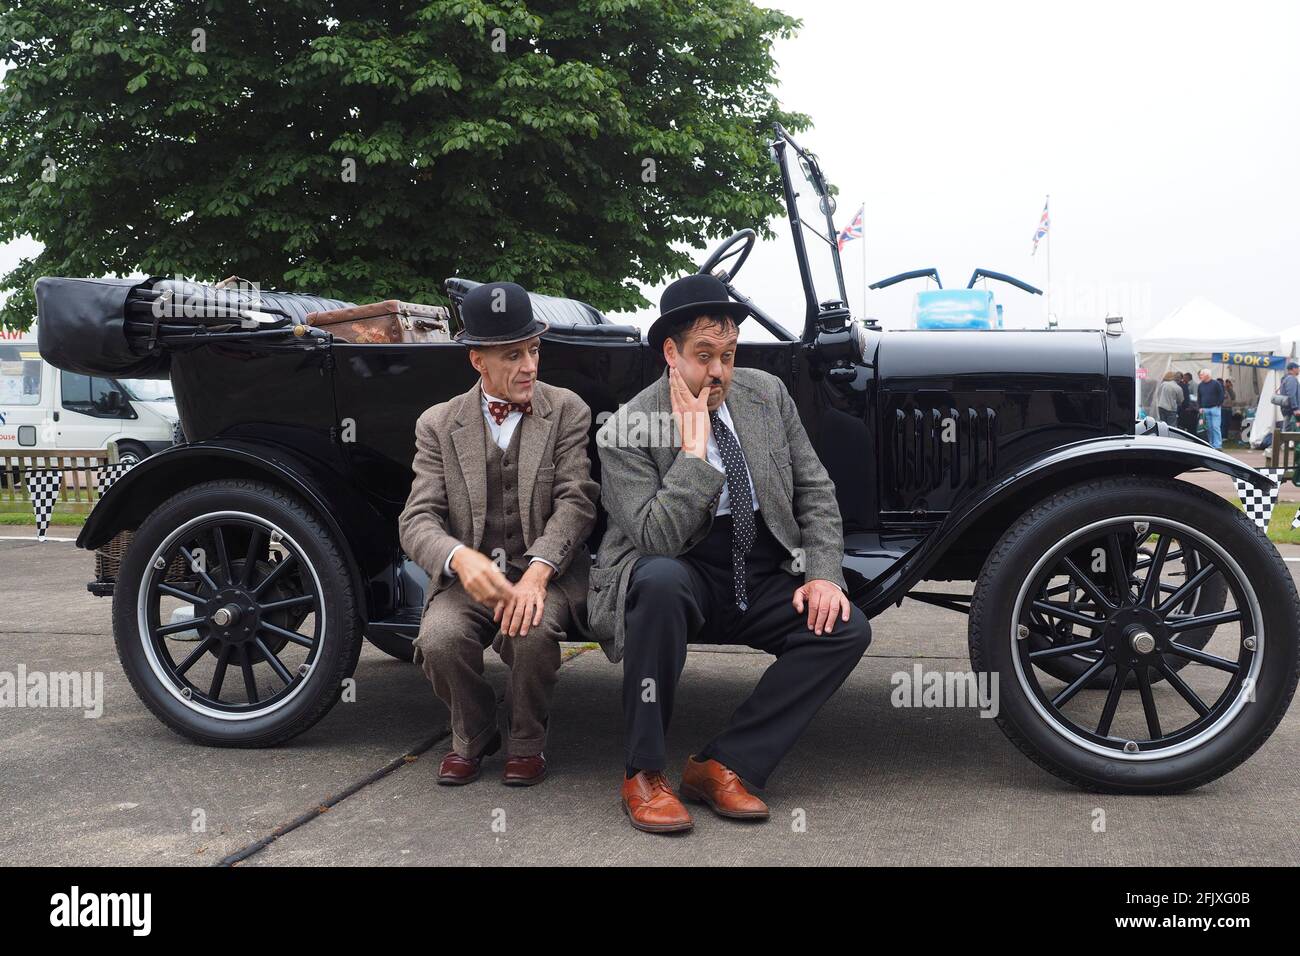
x=497, y=313
x=688, y=298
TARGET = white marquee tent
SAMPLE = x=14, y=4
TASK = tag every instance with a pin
x=1189, y=338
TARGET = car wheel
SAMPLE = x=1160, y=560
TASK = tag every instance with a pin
x=1180, y=563
x=234, y=615
x=1100, y=730
x=131, y=452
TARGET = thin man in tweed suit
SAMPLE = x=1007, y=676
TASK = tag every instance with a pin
x=499, y=514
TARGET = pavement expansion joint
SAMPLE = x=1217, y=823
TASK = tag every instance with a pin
x=411, y=756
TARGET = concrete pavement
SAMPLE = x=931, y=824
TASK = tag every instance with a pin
x=869, y=783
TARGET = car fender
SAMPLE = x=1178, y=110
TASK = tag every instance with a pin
x=1155, y=455
x=344, y=509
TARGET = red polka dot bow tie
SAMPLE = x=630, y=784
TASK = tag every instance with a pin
x=499, y=410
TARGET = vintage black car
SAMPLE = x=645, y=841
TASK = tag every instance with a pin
x=1143, y=632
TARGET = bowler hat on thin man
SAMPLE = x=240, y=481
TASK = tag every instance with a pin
x=497, y=313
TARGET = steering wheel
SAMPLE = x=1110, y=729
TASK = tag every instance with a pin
x=737, y=247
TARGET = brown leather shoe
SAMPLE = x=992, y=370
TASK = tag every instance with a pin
x=651, y=805
x=708, y=781
x=456, y=770
x=524, y=771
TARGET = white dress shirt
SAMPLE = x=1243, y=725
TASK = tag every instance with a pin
x=715, y=459
x=501, y=434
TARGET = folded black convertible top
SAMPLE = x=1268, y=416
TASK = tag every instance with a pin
x=127, y=328
x=81, y=328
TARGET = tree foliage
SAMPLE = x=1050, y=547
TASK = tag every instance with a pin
x=368, y=149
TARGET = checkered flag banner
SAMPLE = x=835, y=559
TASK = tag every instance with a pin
x=1257, y=502
x=105, y=475
x=43, y=486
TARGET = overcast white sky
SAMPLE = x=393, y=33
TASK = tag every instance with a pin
x=1166, y=133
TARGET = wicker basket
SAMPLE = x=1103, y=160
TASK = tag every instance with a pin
x=108, y=560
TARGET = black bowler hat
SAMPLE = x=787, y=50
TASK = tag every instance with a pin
x=688, y=298
x=497, y=313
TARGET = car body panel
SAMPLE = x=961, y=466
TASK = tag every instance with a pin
x=336, y=426
x=874, y=584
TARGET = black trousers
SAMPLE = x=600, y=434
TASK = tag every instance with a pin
x=690, y=598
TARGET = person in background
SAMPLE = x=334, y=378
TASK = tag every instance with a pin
x=1209, y=395
x=1230, y=423
x=1186, y=411
x=1290, y=387
x=1169, y=395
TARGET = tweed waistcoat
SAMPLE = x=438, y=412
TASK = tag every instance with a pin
x=502, y=526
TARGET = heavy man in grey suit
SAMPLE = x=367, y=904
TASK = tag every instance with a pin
x=723, y=527
x=499, y=514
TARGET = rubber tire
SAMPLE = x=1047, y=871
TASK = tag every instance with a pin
x=141, y=452
x=1043, y=526
x=342, y=638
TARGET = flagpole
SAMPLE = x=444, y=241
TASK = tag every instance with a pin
x=864, y=259
x=1047, y=204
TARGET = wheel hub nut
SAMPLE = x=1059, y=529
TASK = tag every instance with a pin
x=225, y=616
x=1142, y=642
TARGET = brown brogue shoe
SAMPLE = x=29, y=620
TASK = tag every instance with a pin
x=652, y=806
x=708, y=781
x=457, y=770
x=524, y=771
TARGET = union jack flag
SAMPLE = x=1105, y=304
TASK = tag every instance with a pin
x=853, y=230
x=1041, y=231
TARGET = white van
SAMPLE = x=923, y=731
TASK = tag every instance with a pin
x=46, y=409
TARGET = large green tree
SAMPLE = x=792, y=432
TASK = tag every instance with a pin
x=368, y=149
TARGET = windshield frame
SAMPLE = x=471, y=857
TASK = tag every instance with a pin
x=780, y=147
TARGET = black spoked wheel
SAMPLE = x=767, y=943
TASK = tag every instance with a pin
x=233, y=615
x=241, y=617
x=1178, y=563
x=1133, y=631
x=1106, y=575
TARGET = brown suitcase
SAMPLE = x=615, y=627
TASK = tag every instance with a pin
x=389, y=322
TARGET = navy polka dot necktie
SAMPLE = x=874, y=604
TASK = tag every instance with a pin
x=742, y=504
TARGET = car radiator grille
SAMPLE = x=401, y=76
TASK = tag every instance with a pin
x=942, y=447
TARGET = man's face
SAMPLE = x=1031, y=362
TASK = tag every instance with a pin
x=706, y=359
x=1204, y=377
x=509, y=371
